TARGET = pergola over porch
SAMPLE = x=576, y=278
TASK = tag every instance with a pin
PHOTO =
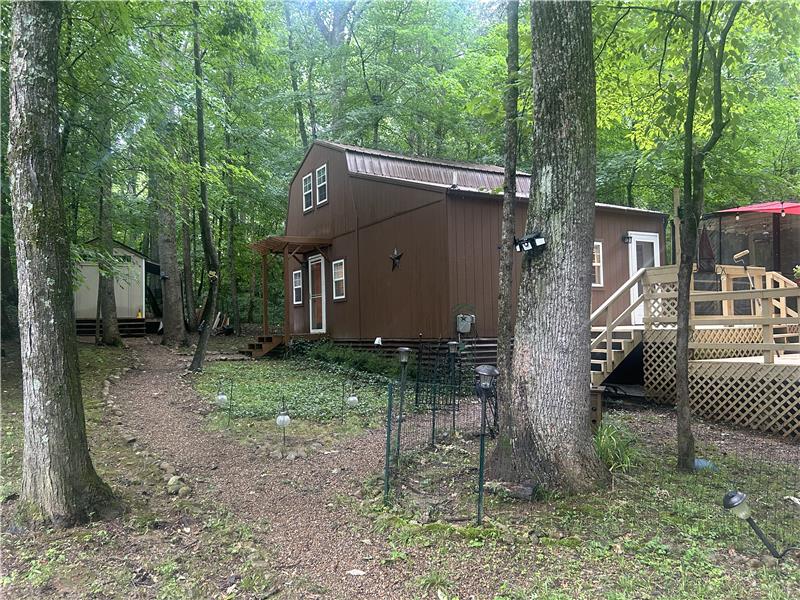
x=289, y=246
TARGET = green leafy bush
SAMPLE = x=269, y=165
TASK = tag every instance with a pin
x=350, y=358
x=616, y=446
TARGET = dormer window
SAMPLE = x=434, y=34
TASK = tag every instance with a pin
x=322, y=185
x=308, y=194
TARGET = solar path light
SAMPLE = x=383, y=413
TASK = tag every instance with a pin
x=486, y=377
x=403, y=353
x=283, y=421
x=736, y=503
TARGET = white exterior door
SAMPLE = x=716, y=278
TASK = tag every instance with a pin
x=316, y=295
x=643, y=251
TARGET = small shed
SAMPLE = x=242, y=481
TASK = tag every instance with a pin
x=129, y=291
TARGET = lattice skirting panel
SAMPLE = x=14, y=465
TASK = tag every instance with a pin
x=763, y=397
x=659, y=355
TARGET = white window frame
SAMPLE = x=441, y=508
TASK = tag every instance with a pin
x=600, y=264
x=297, y=284
x=323, y=168
x=311, y=261
x=342, y=279
x=310, y=192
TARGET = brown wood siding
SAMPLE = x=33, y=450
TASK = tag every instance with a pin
x=609, y=228
x=333, y=218
x=411, y=299
x=473, y=238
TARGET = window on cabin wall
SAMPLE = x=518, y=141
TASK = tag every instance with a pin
x=322, y=185
x=338, y=280
x=597, y=264
x=308, y=193
x=297, y=287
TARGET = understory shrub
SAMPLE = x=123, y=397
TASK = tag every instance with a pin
x=616, y=446
x=356, y=360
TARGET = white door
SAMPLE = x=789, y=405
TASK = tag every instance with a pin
x=316, y=294
x=643, y=251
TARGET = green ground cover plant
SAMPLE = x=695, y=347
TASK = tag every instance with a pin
x=311, y=390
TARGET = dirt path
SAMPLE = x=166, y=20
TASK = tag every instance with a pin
x=315, y=541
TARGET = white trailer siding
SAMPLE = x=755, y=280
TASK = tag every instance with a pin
x=128, y=287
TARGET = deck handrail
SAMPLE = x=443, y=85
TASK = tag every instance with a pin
x=617, y=295
x=769, y=311
x=611, y=323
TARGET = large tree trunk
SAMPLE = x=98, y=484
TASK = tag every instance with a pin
x=188, y=274
x=108, y=264
x=548, y=443
x=206, y=234
x=171, y=297
x=58, y=478
x=505, y=330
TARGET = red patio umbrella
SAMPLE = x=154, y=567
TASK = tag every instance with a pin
x=789, y=208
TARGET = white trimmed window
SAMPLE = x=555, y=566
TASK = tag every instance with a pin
x=597, y=264
x=308, y=194
x=322, y=185
x=297, y=287
x=338, y=280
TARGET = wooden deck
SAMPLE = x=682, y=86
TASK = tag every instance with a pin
x=745, y=368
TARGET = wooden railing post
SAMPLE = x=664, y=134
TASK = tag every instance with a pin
x=766, y=330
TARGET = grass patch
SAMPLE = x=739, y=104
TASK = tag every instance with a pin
x=656, y=533
x=310, y=392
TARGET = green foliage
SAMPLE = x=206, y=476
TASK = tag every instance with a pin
x=310, y=392
x=616, y=446
x=349, y=358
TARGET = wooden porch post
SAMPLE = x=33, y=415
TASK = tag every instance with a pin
x=264, y=294
x=287, y=289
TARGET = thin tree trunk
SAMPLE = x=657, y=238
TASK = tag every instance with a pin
x=233, y=286
x=107, y=264
x=505, y=328
x=188, y=275
x=8, y=327
x=251, y=298
x=58, y=478
x=209, y=250
x=298, y=105
x=691, y=211
x=171, y=297
x=548, y=440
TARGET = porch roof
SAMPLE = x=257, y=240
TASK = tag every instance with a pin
x=293, y=243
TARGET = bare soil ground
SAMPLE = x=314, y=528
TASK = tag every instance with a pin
x=314, y=538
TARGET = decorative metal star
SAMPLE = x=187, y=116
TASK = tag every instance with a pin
x=395, y=258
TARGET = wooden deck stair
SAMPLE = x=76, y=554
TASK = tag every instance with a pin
x=624, y=341
x=263, y=345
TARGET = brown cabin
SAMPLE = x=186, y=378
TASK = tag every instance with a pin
x=384, y=245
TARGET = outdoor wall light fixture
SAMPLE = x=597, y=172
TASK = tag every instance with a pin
x=530, y=243
x=404, y=353
x=737, y=216
x=626, y=239
x=736, y=502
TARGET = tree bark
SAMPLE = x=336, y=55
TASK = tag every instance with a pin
x=691, y=210
x=251, y=299
x=548, y=443
x=171, y=298
x=233, y=286
x=58, y=479
x=298, y=104
x=188, y=275
x=209, y=250
x=108, y=263
x=505, y=330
